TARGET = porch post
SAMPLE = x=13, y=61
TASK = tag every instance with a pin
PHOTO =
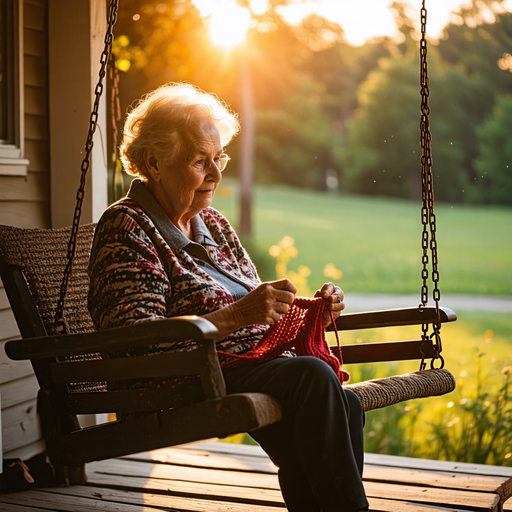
x=76, y=40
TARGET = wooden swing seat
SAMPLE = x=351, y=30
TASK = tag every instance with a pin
x=73, y=377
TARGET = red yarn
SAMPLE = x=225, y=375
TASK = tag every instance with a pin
x=300, y=328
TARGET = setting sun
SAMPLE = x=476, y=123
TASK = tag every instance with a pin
x=360, y=20
x=229, y=23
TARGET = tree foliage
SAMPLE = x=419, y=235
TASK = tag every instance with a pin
x=494, y=163
x=324, y=104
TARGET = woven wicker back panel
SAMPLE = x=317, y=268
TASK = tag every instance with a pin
x=42, y=255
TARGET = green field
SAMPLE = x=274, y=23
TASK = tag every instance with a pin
x=376, y=242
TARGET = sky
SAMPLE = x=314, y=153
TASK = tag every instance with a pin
x=363, y=19
x=360, y=19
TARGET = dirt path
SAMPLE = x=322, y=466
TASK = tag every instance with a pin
x=487, y=303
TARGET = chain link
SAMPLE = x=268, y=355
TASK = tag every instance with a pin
x=60, y=325
x=428, y=217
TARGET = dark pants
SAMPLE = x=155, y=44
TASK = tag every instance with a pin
x=318, y=445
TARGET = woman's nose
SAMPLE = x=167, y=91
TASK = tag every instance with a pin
x=214, y=173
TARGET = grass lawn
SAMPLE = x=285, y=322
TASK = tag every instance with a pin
x=376, y=242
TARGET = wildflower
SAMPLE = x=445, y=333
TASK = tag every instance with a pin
x=304, y=271
x=501, y=398
x=495, y=360
x=284, y=248
x=487, y=403
x=331, y=271
x=488, y=336
x=274, y=251
x=506, y=370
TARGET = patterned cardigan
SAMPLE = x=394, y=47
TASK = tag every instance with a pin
x=135, y=276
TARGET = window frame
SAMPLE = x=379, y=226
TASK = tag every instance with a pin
x=12, y=161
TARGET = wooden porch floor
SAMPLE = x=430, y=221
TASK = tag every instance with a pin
x=211, y=476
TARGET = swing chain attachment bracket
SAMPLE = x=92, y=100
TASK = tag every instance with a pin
x=60, y=324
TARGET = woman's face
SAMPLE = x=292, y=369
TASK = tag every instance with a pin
x=188, y=180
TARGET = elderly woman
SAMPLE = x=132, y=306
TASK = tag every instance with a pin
x=162, y=251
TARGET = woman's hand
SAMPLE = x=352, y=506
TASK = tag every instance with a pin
x=266, y=303
x=333, y=296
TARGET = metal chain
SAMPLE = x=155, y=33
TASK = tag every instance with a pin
x=115, y=112
x=428, y=217
x=60, y=324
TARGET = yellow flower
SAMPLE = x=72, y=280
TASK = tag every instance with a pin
x=287, y=241
x=331, y=271
x=506, y=370
x=274, y=251
x=304, y=271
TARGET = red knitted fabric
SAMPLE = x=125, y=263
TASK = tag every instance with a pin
x=300, y=328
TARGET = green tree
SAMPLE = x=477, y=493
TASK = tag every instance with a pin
x=380, y=155
x=494, y=162
x=461, y=97
x=294, y=143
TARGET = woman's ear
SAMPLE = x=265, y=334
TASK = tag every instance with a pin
x=152, y=164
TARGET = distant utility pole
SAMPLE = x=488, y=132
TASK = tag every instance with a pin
x=246, y=169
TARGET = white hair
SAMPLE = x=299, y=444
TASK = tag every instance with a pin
x=162, y=118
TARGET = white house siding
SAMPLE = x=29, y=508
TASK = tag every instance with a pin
x=62, y=43
x=25, y=202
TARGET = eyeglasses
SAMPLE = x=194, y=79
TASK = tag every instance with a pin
x=219, y=161
x=222, y=161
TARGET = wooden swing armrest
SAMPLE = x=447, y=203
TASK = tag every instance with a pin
x=392, y=317
x=166, y=330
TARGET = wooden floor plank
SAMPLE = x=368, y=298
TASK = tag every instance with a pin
x=215, y=446
x=9, y=507
x=210, y=491
x=124, y=467
x=437, y=465
x=478, y=501
x=380, y=505
x=443, y=479
x=184, y=504
x=44, y=500
x=206, y=459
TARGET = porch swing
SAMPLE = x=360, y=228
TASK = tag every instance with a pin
x=61, y=342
